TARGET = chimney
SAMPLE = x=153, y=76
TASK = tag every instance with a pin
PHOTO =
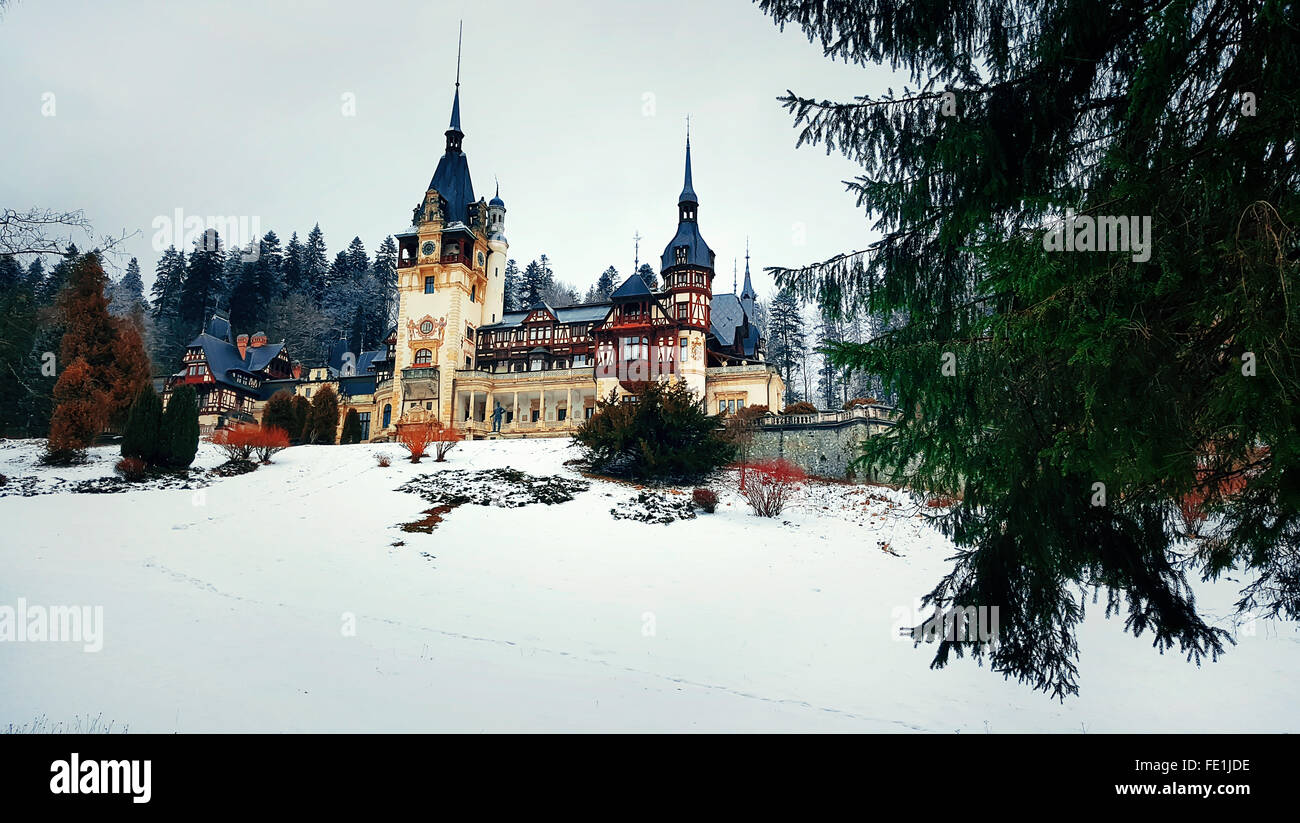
x=259, y=339
x=242, y=343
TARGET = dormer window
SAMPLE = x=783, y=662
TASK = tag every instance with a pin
x=680, y=254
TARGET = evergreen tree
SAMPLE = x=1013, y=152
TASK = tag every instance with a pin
x=301, y=431
x=279, y=414
x=605, y=285
x=785, y=340
x=80, y=414
x=169, y=336
x=270, y=276
x=533, y=284
x=513, y=286
x=178, y=433
x=128, y=295
x=1079, y=400
x=351, y=428
x=385, y=272
x=315, y=265
x=323, y=422
x=649, y=277
x=24, y=391
x=203, y=288
x=294, y=267
x=358, y=260
x=141, y=438
x=830, y=330
x=110, y=347
x=245, y=302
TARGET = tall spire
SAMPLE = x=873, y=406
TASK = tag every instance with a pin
x=454, y=133
x=688, y=190
x=748, y=295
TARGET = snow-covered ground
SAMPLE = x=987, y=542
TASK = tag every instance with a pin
x=277, y=600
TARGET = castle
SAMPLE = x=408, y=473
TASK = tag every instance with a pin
x=457, y=357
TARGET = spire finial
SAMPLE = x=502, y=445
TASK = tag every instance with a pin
x=460, y=35
x=688, y=189
x=733, y=275
x=636, y=262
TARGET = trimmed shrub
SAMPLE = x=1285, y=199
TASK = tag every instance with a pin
x=664, y=434
x=299, y=433
x=351, y=434
x=802, y=407
x=323, y=422
x=705, y=499
x=141, y=437
x=178, y=434
x=278, y=414
x=769, y=485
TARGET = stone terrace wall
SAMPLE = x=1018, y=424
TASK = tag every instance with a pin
x=822, y=444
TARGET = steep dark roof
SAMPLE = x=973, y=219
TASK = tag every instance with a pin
x=634, y=286
x=726, y=318
x=452, y=181
x=223, y=358
x=698, y=252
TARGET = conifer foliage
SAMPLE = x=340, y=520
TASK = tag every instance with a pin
x=1075, y=398
x=351, y=433
x=323, y=420
x=179, y=430
x=662, y=434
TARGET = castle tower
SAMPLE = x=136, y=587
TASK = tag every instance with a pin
x=446, y=287
x=686, y=267
x=494, y=300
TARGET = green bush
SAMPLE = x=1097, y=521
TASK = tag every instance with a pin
x=323, y=422
x=278, y=414
x=178, y=435
x=351, y=428
x=663, y=435
x=299, y=433
x=142, y=437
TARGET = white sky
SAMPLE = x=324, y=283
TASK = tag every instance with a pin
x=235, y=109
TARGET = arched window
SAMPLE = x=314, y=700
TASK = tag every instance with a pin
x=423, y=357
x=388, y=415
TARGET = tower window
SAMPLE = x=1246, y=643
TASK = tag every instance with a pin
x=680, y=253
x=423, y=357
x=473, y=293
x=428, y=285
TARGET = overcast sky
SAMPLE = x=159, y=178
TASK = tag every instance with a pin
x=236, y=108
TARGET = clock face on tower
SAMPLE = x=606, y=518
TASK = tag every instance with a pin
x=480, y=258
x=427, y=248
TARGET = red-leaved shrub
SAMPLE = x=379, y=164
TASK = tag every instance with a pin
x=416, y=437
x=132, y=469
x=237, y=441
x=384, y=461
x=770, y=484
x=706, y=499
x=242, y=441
x=269, y=441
